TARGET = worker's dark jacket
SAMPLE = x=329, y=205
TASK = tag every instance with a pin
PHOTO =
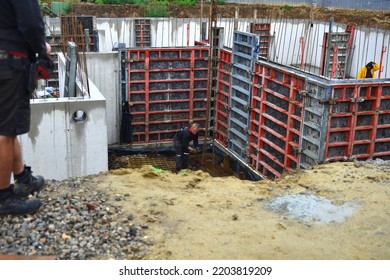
x=182, y=140
x=21, y=24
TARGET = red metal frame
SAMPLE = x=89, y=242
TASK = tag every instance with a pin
x=354, y=122
x=223, y=97
x=384, y=49
x=302, y=40
x=265, y=99
x=263, y=30
x=146, y=120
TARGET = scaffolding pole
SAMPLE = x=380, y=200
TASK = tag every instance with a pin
x=213, y=59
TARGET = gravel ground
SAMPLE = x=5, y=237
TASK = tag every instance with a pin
x=75, y=222
x=78, y=222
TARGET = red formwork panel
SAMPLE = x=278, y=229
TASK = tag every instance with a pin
x=359, y=122
x=263, y=30
x=223, y=97
x=275, y=122
x=167, y=88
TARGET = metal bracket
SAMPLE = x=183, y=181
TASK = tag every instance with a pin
x=329, y=102
x=260, y=86
x=357, y=100
x=297, y=150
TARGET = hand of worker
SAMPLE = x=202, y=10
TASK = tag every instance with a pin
x=48, y=48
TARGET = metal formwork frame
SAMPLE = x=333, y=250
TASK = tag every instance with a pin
x=166, y=90
x=245, y=54
x=263, y=30
x=359, y=118
x=314, y=123
x=223, y=97
x=276, y=120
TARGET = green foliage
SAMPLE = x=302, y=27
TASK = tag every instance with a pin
x=221, y=2
x=286, y=7
x=157, y=11
x=140, y=2
x=118, y=2
x=159, y=2
x=184, y=2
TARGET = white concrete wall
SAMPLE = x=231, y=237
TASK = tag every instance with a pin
x=58, y=147
x=107, y=81
x=285, y=45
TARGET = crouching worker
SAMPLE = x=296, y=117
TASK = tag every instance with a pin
x=368, y=70
x=181, y=144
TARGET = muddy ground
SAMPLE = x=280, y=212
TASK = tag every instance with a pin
x=332, y=211
x=376, y=19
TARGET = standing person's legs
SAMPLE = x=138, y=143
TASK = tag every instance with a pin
x=185, y=160
x=18, y=166
x=6, y=160
x=179, y=156
x=14, y=120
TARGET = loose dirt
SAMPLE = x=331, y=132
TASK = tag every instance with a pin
x=376, y=19
x=332, y=211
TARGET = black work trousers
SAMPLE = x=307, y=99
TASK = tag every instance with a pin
x=182, y=156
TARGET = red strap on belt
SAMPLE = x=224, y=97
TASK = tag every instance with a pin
x=17, y=54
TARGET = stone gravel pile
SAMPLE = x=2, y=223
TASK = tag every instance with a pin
x=75, y=222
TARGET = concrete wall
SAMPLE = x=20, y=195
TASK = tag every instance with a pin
x=285, y=46
x=57, y=146
x=107, y=81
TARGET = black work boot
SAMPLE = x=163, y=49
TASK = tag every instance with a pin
x=26, y=184
x=12, y=204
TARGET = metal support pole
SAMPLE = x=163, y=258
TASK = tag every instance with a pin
x=70, y=75
x=86, y=39
x=384, y=49
x=334, y=62
x=212, y=48
x=302, y=53
x=236, y=19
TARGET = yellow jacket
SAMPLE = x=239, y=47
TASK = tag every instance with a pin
x=363, y=71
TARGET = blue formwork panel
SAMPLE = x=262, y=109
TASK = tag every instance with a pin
x=315, y=120
x=244, y=55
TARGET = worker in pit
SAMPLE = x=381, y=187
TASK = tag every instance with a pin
x=181, y=144
x=368, y=70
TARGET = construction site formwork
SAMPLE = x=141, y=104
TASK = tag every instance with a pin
x=296, y=119
x=275, y=120
x=346, y=120
x=166, y=89
x=270, y=117
x=244, y=54
x=223, y=97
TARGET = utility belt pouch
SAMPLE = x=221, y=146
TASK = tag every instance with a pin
x=45, y=67
x=33, y=76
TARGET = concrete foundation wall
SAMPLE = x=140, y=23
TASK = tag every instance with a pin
x=285, y=40
x=107, y=81
x=58, y=147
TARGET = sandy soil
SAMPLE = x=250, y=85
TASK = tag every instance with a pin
x=195, y=216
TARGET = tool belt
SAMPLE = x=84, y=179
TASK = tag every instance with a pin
x=5, y=55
